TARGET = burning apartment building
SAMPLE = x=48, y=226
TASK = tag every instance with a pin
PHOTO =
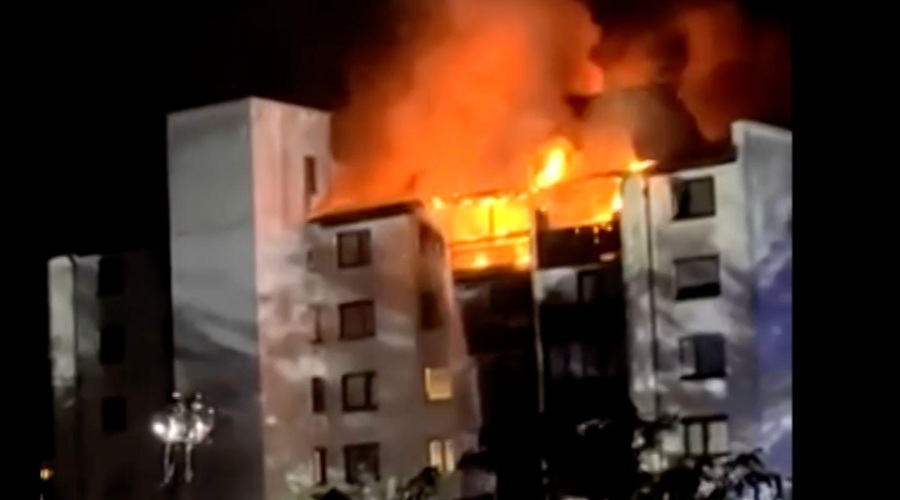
x=324, y=339
x=707, y=263
x=340, y=328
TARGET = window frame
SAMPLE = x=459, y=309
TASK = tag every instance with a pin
x=310, y=175
x=363, y=243
x=353, y=477
x=684, y=183
x=370, y=404
x=697, y=292
x=704, y=422
x=343, y=308
x=320, y=462
x=695, y=373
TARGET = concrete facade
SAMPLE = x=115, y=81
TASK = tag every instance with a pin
x=109, y=325
x=748, y=308
x=407, y=261
x=254, y=313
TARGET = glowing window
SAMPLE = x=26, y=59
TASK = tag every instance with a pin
x=441, y=455
x=438, y=384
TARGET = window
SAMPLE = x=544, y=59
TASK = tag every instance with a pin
x=429, y=311
x=441, y=455
x=361, y=459
x=429, y=239
x=438, y=384
x=703, y=356
x=316, y=313
x=354, y=248
x=110, y=277
x=706, y=435
x=318, y=395
x=320, y=466
x=697, y=277
x=357, y=320
x=588, y=286
x=358, y=391
x=112, y=415
x=694, y=198
x=574, y=360
x=112, y=345
x=309, y=175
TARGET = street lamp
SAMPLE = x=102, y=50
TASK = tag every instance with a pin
x=182, y=426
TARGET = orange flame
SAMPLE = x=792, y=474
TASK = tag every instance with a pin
x=554, y=166
x=637, y=166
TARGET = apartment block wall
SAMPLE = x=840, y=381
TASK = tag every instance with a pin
x=739, y=234
x=111, y=373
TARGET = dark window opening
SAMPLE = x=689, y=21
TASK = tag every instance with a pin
x=316, y=325
x=357, y=320
x=429, y=311
x=112, y=345
x=429, y=239
x=588, y=286
x=318, y=395
x=358, y=391
x=694, y=198
x=705, y=436
x=110, y=276
x=703, y=356
x=354, y=248
x=320, y=466
x=361, y=460
x=697, y=277
x=113, y=415
x=309, y=173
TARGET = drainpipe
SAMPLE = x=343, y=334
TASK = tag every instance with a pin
x=651, y=289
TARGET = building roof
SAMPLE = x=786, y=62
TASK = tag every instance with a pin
x=352, y=215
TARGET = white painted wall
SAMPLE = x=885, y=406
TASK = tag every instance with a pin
x=237, y=205
x=404, y=421
x=241, y=295
x=90, y=463
x=737, y=239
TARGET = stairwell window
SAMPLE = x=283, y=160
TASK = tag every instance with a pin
x=429, y=311
x=309, y=175
x=112, y=345
x=354, y=248
x=113, y=415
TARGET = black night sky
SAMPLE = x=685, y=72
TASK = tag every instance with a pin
x=108, y=77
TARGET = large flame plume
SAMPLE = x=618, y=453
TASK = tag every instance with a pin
x=474, y=96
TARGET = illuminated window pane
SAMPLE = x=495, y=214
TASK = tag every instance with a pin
x=438, y=384
x=441, y=455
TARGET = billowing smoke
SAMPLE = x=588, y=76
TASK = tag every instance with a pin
x=462, y=93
